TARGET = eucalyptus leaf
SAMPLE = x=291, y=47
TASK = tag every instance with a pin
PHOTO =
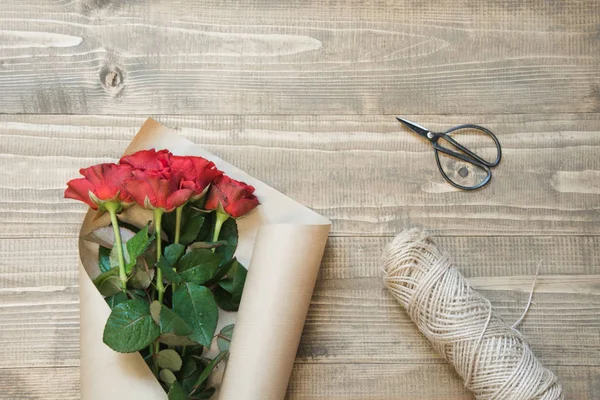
x=196, y=305
x=130, y=327
x=224, y=337
x=104, y=259
x=189, y=368
x=210, y=367
x=116, y=299
x=169, y=359
x=177, y=393
x=167, y=376
x=108, y=283
x=198, y=266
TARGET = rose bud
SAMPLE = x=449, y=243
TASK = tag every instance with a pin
x=232, y=197
x=159, y=189
x=198, y=170
x=148, y=160
x=101, y=183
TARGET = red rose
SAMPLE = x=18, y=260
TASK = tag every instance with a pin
x=233, y=197
x=198, y=170
x=101, y=183
x=159, y=189
x=148, y=160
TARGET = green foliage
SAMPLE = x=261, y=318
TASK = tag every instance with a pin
x=130, y=327
x=108, y=283
x=199, y=276
x=198, y=266
x=229, y=233
x=196, y=305
x=224, y=337
x=104, y=259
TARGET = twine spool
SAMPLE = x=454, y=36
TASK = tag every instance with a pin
x=493, y=359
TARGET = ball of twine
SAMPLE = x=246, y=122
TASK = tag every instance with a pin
x=493, y=359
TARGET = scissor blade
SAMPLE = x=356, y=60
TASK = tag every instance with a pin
x=414, y=127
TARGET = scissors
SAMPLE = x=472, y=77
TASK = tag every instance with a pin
x=466, y=155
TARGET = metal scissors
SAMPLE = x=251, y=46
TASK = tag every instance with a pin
x=466, y=155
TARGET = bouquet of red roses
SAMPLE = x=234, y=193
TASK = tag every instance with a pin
x=166, y=280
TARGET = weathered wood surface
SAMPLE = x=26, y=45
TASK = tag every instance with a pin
x=365, y=173
x=372, y=179
x=299, y=57
x=301, y=94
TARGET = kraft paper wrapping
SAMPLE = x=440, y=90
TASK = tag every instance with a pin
x=280, y=242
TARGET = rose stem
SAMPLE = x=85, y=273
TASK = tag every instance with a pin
x=112, y=208
x=220, y=220
x=160, y=288
x=178, y=212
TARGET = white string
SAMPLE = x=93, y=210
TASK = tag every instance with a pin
x=537, y=273
x=492, y=358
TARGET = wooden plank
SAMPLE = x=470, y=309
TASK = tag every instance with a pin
x=40, y=383
x=403, y=382
x=367, y=174
x=314, y=57
x=352, y=318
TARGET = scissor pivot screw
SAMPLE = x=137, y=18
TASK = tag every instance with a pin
x=430, y=135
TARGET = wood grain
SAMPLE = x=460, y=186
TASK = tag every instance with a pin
x=314, y=57
x=364, y=173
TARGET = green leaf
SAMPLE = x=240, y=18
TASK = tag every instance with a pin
x=130, y=327
x=141, y=276
x=169, y=359
x=209, y=368
x=104, y=258
x=173, y=253
x=176, y=392
x=136, y=246
x=225, y=300
x=113, y=258
x=116, y=299
x=207, y=394
x=224, y=337
x=207, y=245
x=198, y=266
x=155, y=308
x=197, y=307
x=168, y=273
x=171, y=339
x=167, y=376
x=108, y=283
x=190, y=229
x=189, y=368
x=223, y=269
x=229, y=233
x=170, y=322
x=236, y=279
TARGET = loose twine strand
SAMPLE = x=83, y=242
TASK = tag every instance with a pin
x=493, y=358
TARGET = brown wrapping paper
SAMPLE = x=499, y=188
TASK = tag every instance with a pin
x=281, y=243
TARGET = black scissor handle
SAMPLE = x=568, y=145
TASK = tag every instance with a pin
x=437, y=148
x=467, y=155
x=462, y=148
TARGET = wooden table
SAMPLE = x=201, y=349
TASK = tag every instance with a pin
x=302, y=95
